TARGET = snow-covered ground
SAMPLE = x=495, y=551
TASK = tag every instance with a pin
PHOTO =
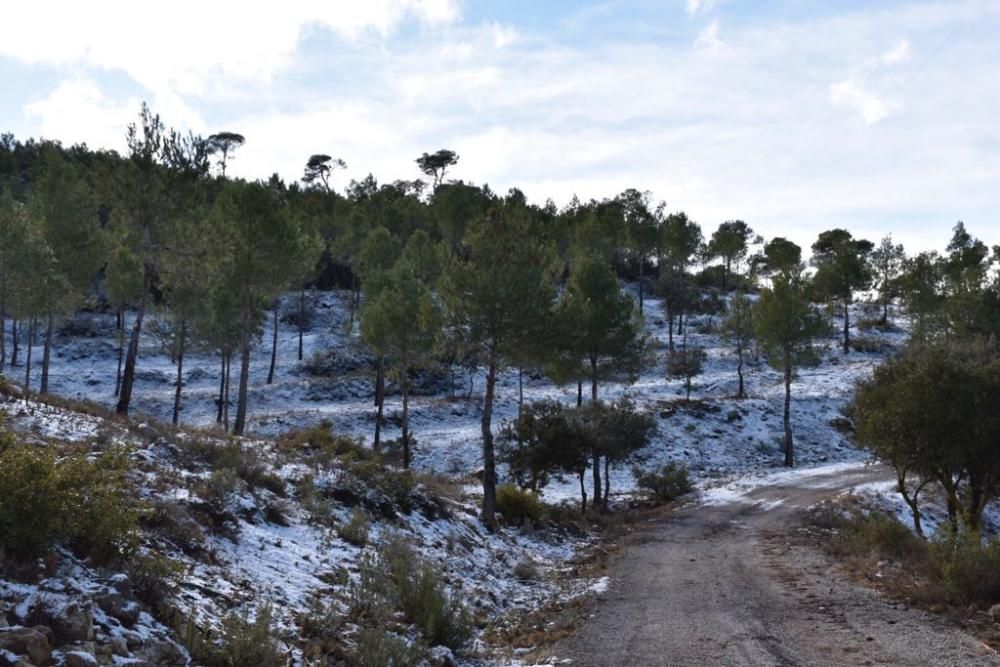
x=728, y=444
x=715, y=435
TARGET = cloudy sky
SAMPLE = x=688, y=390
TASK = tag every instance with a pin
x=794, y=115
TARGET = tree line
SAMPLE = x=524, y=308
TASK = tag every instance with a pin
x=444, y=273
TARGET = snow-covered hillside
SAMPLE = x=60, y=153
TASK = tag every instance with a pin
x=714, y=434
x=283, y=530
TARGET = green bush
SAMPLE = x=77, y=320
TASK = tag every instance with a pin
x=669, y=482
x=880, y=535
x=84, y=503
x=356, y=530
x=870, y=345
x=518, y=505
x=322, y=445
x=249, y=643
x=378, y=648
x=396, y=579
x=968, y=569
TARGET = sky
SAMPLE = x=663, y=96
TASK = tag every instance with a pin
x=793, y=115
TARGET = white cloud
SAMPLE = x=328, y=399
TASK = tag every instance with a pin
x=898, y=54
x=78, y=112
x=708, y=38
x=697, y=6
x=851, y=93
x=183, y=46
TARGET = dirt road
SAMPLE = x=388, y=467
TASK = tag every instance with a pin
x=720, y=585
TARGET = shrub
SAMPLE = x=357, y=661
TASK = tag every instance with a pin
x=44, y=499
x=356, y=530
x=518, y=505
x=321, y=445
x=526, y=570
x=249, y=643
x=153, y=576
x=880, y=535
x=213, y=453
x=378, y=648
x=440, y=618
x=397, y=579
x=969, y=570
x=869, y=344
x=669, y=482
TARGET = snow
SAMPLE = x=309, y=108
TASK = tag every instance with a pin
x=730, y=445
x=715, y=435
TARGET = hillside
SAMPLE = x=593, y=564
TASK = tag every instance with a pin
x=289, y=519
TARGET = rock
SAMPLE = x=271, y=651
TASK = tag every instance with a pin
x=79, y=659
x=119, y=606
x=994, y=613
x=73, y=623
x=122, y=584
x=441, y=656
x=163, y=652
x=26, y=641
x=119, y=647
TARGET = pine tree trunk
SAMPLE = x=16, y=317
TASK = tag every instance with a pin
x=489, y=457
x=274, y=346
x=597, y=479
x=225, y=399
x=15, y=337
x=379, y=404
x=593, y=380
x=222, y=387
x=27, y=361
x=406, y=424
x=670, y=330
x=607, y=481
x=640, y=284
x=789, y=457
x=121, y=351
x=847, y=325
x=739, y=372
x=128, y=378
x=579, y=393
x=3, y=329
x=302, y=318
x=180, y=372
x=583, y=491
x=239, y=424
x=43, y=389
x=520, y=391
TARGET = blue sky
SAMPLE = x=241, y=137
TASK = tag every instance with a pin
x=796, y=116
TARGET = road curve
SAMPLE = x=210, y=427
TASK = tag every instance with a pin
x=719, y=585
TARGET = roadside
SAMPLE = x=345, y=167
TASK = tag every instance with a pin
x=724, y=582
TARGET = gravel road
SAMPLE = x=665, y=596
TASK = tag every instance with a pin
x=720, y=585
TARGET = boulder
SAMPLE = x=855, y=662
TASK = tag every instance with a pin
x=79, y=659
x=27, y=642
x=73, y=623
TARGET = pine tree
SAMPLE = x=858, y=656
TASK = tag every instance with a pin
x=737, y=329
x=495, y=289
x=147, y=190
x=606, y=336
x=887, y=262
x=66, y=210
x=842, y=268
x=400, y=322
x=786, y=324
x=263, y=248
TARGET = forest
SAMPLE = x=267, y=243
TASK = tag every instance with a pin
x=447, y=274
